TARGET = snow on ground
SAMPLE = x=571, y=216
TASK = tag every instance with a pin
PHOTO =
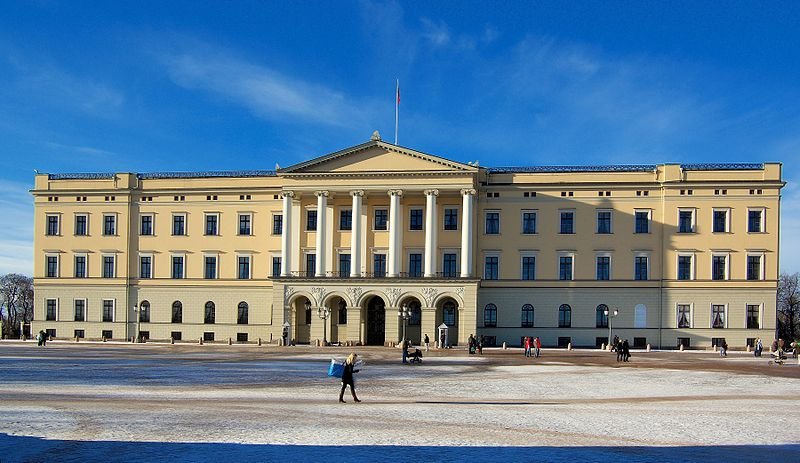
x=178, y=403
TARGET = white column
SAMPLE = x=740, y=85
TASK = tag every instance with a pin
x=431, y=231
x=286, y=235
x=355, y=236
x=394, y=234
x=322, y=206
x=467, y=228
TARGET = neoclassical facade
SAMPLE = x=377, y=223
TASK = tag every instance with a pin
x=339, y=247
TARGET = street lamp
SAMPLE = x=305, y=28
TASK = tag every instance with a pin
x=610, y=317
x=404, y=313
x=137, y=310
x=323, y=313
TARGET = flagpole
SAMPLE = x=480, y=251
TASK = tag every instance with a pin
x=396, y=110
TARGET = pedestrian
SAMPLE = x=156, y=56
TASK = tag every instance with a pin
x=759, y=348
x=723, y=349
x=427, y=343
x=537, y=346
x=347, y=377
x=40, y=338
x=626, y=351
x=618, y=348
x=615, y=343
x=527, y=344
x=480, y=345
x=404, y=346
x=471, y=344
x=795, y=348
x=442, y=340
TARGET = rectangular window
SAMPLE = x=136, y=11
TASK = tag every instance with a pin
x=311, y=264
x=755, y=219
x=80, y=334
x=415, y=220
x=492, y=223
x=277, y=224
x=109, y=225
x=311, y=220
x=244, y=267
x=450, y=218
x=528, y=268
x=107, y=334
x=212, y=222
x=449, y=265
x=603, y=222
x=109, y=266
x=244, y=224
x=381, y=219
x=344, y=265
x=684, y=316
x=685, y=267
x=81, y=225
x=528, y=223
x=565, y=268
x=415, y=265
x=176, y=335
x=52, y=225
x=108, y=310
x=80, y=266
x=753, y=267
x=642, y=222
x=52, y=267
x=145, y=267
x=146, y=227
x=346, y=219
x=177, y=267
x=567, y=222
x=379, y=265
x=210, y=271
x=490, y=268
x=276, y=266
x=719, y=268
x=603, y=267
x=52, y=310
x=178, y=225
x=686, y=221
x=753, y=312
x=717, y=316
x=208, y=336
x=640, y=268
x=720, y=221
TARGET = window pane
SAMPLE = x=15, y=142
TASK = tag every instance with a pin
x=685, y=222
x=381, y=217
x=415, y=265
x=311, y=220
x=567, y=223
x=720, y=221
x=603, y=268
x=492, y=223
x=415, y=222
x=80, y=225
x=346, y=219
x=451, y=219
x=604, y=222
x=528, y=268
x=178, y=225
x=684, y=316
x=277, y=224
x=449, y=267
x=641, y=268
x=564, y=316
x=490, y=315
x=276, y=266
x=528, y=223
x=565, y=268
x=490, y=268
x=344, y=265
x=642, y=222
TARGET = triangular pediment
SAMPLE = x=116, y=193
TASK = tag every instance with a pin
x=376, y=156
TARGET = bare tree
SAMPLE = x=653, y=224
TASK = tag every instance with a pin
x=789, y=306
x=16, y=303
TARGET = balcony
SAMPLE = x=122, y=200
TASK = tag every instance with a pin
x=303, y=275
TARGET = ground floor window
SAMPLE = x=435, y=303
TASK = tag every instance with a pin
x=563, y=341
x=751, y=342
x=51, y=332
x=208, y=336
x=144, y=335
x=717, y=341
x=176, y=335
x=79, y=334
x=683, y=342
x=599, y=341
x=639, y=343
x=107, y=334
x=241, y=337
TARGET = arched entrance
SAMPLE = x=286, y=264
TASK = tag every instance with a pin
x=447, y=313
x=302, y=321
x=414, y=323
x=376, y=321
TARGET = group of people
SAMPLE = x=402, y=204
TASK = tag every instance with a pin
x=533, y=346
x=475, y=344
x=41, y=338
x=622, y=348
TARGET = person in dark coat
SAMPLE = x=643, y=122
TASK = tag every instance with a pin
x=347, y=377
x=404, y=346
x=618, y=348
x=626, y=351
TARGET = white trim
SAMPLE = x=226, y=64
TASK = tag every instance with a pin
x=85, y=264
x=103, y=265
x=47, y=255
x=487, y=254
x=486, y=213
x=85, y=308
x=608, y=254
x=457, y=207
x=219, y=223
x=597, y=220
x=762, y=258
x=692, y=274
x=372, y=225
x=762, y=223
x=59, y=220
x=152, y=265
x=172, y=265
x=249, y=257
x=252, y=223
x=760, y=315
x=113, y=310
x=152, y=223
x=185, y=223
x=691, y=316
x=646, y=255
x=116, y=224
x=75, y=223
x=649, y=213
x=693, y=210
x=523, y=254
x=574, y=221
x=535, y=221
x=711, y=317
x=727, y=211
x=216, y=265
x=570, y=254
x=727, y=271
x=58, y=309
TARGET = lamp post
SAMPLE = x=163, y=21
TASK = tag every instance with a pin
x=137, y=310
x=610, y=317
x=404, y=313
x=323, y=313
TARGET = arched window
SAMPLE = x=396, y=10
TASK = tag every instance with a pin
x=601, y=316
x=144, y=312
x=564, y=316
x=449, y=313
x=211, y=313
x=243, y=315
x=416, y=313
x=527, y=316
x=490, y=315
x=342, y=312
x=177, y=312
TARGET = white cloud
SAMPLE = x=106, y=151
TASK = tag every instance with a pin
x=263, y=90
x=437, y=33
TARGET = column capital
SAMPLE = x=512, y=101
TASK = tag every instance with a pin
x=287, y=194
x=357, y=193
x=468, y=191
x=395, y=192
x=431, y=192
x=322, y=193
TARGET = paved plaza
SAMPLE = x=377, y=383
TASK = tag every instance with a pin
x=72, y=402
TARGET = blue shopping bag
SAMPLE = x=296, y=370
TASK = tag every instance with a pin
x=336, y=369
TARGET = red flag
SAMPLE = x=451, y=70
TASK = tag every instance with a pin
x=398, y=92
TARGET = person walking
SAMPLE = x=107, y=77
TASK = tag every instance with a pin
x=626, y=351
x=471, y=344
x=618, y=348
x=347, y=377
x=527, y=344
x=480, y=345
x=40, y=338
x=723, y=349
x=404, y=346
x=759, y=347
x=427, y=343
x=442, y=340
x=537, y=347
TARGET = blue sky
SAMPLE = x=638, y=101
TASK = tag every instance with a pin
x=154, y=86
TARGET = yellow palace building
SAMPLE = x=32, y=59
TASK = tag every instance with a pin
x=363, y=244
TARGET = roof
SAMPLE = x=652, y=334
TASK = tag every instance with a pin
x=160, y=175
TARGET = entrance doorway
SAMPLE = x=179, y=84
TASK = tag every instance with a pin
x=376, y=322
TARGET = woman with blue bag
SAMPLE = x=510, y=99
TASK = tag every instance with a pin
x=347, y=377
